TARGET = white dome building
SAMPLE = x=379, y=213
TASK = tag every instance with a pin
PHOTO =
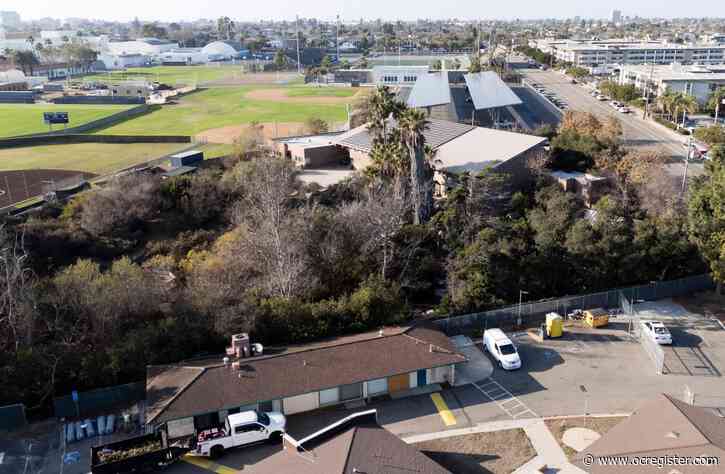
x=12, y=75
x=219, y=50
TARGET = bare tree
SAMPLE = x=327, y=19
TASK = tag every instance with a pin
x=379, y=219
x=17, y=302
x=273, y=231
x=125, y=201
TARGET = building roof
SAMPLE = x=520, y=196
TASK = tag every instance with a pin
x=663, y=426
x=221, y=48
x=488, y=91
x=677, y=72
x=481, y=147
x=179, y=171
x=436, y=134
x=430, y=90
x=191, y=388
x=356, y=445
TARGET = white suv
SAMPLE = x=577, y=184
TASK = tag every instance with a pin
x=657, y=331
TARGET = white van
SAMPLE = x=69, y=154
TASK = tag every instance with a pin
x=496, y=343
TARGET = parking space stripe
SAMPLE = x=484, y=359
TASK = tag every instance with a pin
x=443, y=410
x=207, y=464
x=510, y=404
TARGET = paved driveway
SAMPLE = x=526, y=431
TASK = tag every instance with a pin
x=477, y=368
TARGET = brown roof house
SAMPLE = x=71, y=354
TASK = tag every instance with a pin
x=459, y=148
x=198, y=394
x=661, y=433
x=355, y=444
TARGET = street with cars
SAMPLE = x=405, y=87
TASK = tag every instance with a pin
x=637, y=132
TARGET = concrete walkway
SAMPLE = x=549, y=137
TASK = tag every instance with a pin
x=548, y=451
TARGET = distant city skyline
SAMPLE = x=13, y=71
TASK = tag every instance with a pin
x=168, y=10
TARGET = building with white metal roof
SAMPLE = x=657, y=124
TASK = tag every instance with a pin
x=430, y=90
x=488, y=91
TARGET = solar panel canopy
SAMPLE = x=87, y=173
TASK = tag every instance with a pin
x=430, y=90
x=488, y=91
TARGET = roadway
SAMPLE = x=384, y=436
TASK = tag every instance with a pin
x=637, y=133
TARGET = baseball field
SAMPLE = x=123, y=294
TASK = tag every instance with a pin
x=23, y=119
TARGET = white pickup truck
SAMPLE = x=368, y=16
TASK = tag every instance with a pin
x=240, y=429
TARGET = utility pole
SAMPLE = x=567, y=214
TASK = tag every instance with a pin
x=337, y=39
x=299, y=64
x=687, y=162
x=646, y=90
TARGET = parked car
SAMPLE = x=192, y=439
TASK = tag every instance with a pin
x=240, y=429
x=698, y=151
x=657, y=331
x=602, y=98
x=624, y=109
x=497, y=343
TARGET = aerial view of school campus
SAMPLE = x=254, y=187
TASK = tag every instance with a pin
x=373, y=238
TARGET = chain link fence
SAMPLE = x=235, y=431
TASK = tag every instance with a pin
x=532, y=314
x=98, y=401
x=12, y=417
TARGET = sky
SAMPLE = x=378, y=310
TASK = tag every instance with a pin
x=353, y=10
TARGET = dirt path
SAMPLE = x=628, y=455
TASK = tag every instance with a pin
x=280, y=95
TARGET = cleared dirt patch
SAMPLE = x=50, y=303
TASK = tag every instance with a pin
x=271, y=130
x=17, y=186
x=599, y=424
x=479, y=453
x=280, y=95
x=705, y=303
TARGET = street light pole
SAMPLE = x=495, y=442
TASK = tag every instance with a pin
x=337, y=39
x=299, y=65
x=687, y=162
x=521, y=297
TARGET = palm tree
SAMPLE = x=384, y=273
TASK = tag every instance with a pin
x=689, y=105
x=412, y=124
x=666, y=102
x=680, y=101
x=382, y=105
x=716, y=100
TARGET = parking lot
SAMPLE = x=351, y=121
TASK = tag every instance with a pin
x=598, y=371
x=637, y=133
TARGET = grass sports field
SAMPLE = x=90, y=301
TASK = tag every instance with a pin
x=97, y=158
x=22, y=119
x=171, y=75
x=223, y=106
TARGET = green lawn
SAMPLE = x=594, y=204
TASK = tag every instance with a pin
x=98, y=158
x=216, y=150
x=219, y=107
x=171, y=75
x=23, y=119
x=310, y=91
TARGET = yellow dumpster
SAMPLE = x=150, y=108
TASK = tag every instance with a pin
x=554, y=325
x=596, y=317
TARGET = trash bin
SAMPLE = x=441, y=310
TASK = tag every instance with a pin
x=554, y=325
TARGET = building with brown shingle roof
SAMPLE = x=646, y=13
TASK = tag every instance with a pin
x=664, y=427
x=198, y=394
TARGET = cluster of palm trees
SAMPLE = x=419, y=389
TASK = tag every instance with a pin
x=399, y=152
x=673, y=104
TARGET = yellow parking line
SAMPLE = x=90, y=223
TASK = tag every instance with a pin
x=209, y=465
x=443, y=410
